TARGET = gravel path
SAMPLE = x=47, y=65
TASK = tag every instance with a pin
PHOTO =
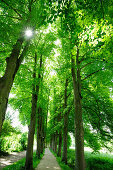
x=10, y=159
x=48, y=162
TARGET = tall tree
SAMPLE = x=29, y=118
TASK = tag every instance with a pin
x=23, y=15
x=29, y=153
x=65, y=130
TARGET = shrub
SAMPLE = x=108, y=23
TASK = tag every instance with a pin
x=93, y=161
x=12, y=139
x=23, y=141
x=11, y=143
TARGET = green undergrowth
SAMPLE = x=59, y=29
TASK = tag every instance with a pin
x=19, y=165
x=62, y=165
x=98, y=161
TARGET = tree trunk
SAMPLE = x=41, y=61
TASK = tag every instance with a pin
x=6, y=81
x=56, y=134
x=42, y=133
x=39, y=133
x=29, y=153
x=51, y=142
x=38, y=152
x=65, y=130
x=46, y=142
x=54, y=142
x=60, y=144
x=79, y=133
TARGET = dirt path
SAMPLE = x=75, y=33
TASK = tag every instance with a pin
x=48, y=162
x=13, y=157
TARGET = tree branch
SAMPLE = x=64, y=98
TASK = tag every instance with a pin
x=11, y=17
x=91, y=74
x=5, y=51
x=86, y=65
x=19, y=61
x=15, y=10
x=30, y=4
x=82, y=59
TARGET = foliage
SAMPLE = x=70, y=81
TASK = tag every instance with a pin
x=7, y=128
x=14, y=142
x=99, y=161
x=60, y=28
x=23, y=140
x=69, y=142
x=12, y=139
x=11, y=143
x=93, y=161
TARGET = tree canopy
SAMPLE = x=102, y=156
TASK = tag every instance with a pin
x=65, y=69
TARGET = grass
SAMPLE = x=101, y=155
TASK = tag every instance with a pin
x=93, y=161
x=19, y=165
x=62, y=165
x=99, y=161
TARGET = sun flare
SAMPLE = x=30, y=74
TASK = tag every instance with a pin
x=28, y=33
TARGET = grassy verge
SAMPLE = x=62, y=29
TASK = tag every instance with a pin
x=99, y=161
x=93, y=161
x=62, y=165
x=19, y=165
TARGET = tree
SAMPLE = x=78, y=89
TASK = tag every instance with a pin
x=82, y=55
x=29, y=153
x=33, y=14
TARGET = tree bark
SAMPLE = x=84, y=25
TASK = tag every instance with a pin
x=39, y=121
x=51, y=142
x=65, y=130
x=39, y=133
x=54, y=142
x=29, y=153
x=60, y=144
x=56, y=134
x=42, y=133
x=6, y=81
x=45, y=135
x=79, y=133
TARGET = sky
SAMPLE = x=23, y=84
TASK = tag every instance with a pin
x=15, y=119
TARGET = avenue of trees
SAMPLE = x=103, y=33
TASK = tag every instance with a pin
x=60, y=78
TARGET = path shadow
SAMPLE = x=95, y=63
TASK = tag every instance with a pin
x=10, y=159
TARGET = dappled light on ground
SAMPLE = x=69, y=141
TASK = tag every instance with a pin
x=48, y=162
x=53, y=167
x=13, y=157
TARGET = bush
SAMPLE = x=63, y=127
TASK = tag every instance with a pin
x=99, y=161
x=23, y=140
x=14, y=142
x=12, y=139
x=93, y=161
x=69, y=141
x=11, y=143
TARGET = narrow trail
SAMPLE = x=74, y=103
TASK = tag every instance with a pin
x=10, y=159
x=48, y=162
